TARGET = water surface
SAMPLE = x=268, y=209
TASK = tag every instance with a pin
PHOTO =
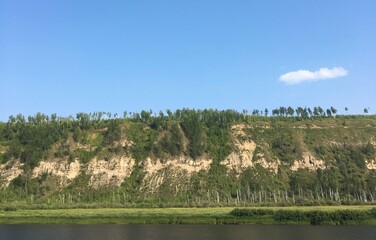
x=184, y=232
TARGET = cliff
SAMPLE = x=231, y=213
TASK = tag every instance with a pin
x=191, y=160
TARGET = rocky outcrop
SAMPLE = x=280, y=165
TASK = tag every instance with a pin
x=308, y=161
x=64, y=170
x=371, y=164
x=175, y=169
x=10, y=171
x=272, y=164
x=241, y=159
x=112, y=172
x=244, y=155
x=181, y=163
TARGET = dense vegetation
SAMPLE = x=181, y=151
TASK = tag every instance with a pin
x=313, y=217
x=344, y=143
x=342, y=215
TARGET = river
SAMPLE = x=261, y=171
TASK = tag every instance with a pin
x=188, y=232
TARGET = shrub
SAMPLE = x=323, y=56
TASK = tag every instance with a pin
x=83, y=155
x=10, y=209
x=285, y=216
x=244, y=212
x=317, y=217
x=373, y=212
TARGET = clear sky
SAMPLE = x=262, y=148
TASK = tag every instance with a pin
x=73, y=56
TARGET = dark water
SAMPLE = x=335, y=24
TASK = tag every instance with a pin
x=197, y=232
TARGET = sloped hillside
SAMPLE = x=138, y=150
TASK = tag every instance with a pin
x=188, y=158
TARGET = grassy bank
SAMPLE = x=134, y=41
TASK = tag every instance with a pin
x=272, y=215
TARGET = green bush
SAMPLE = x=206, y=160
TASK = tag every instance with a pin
x=317, y=217
x=113, y=133
x=10, y=209
x=343, y=216
x=373, y=212
x=249, y=212
x=287, y=215
x=83, y=155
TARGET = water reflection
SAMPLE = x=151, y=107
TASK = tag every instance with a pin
x=184, y=232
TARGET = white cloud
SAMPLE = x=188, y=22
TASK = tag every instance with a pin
x=305, y=75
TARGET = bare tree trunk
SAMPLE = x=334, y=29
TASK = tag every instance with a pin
x=371, y=195
x=337, y=197
x=330, y=194
x=286, y=195
x=260, y=196
x=275, y=197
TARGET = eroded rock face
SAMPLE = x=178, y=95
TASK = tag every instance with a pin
x=371, y=164
x=243, y=156
x=111, y=172
x=272, y=165
x=177, y=169
x=241, y=159
x=9, y=171
x=175, y=173
x=308, y=161
x=183, y=163
x=60, y=168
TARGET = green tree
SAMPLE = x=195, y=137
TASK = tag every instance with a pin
x=316, y=112
x=145, y=116
x=282, y=111
x=328, y=112
x=290, y=111
x=333, y=110
x=194, y=131
x=256, y=112
x=113, y=133
x=321, y=111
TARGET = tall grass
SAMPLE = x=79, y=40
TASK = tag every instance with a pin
x=290, y=215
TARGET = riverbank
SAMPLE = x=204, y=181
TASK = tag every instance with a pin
x=343, y=215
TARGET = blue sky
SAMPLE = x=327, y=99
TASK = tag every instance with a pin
x=67, y=56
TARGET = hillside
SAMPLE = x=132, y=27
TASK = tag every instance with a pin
x=188, y=158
